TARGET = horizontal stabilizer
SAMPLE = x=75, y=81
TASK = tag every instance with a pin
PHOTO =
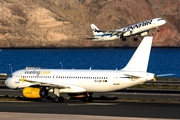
x=131, y=75
x=163, y=75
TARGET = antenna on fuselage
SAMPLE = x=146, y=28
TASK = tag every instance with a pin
x=61, y=65
x=10, y=67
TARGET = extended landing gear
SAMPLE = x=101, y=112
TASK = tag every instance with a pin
x=157, y=29
x=58, y=98
x=135, y=39
x=87, y=99
x=123, y=39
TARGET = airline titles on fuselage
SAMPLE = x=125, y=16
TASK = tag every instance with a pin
x=138, y=25
x=37, y=72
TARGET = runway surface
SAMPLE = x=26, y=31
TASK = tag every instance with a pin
x=98, y=109
x=124, y=95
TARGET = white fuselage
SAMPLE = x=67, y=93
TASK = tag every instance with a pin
x=78, y=80
x=135, y=29
x=35, y=82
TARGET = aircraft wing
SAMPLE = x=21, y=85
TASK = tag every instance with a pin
x=111, y=31
x=54, y=84
x=42, y=83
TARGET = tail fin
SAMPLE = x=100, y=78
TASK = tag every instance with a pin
x=94, y=29
x=139, y=60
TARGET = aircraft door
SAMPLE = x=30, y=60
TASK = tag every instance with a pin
x=116, y=79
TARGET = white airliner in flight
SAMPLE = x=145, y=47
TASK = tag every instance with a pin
x=141, y=29
x=37, y=82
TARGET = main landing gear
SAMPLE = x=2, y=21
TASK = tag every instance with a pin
x=58, y=98
x=123, y=39
x=88, y=97
x=85, y=97
x=135, y=39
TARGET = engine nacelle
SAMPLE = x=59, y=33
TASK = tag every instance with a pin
x=144, y=34
x=128, y=33
x=31, y=92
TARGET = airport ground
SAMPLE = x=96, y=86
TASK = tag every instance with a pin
x=130, y=105
x=148, y=101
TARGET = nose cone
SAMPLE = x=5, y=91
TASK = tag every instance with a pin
x=8, y=83
x=163, y=22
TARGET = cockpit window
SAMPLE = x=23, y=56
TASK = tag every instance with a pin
x=159, y=19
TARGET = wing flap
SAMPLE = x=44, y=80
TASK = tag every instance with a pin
x=42, y=83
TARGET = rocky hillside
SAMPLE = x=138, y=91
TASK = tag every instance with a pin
x=66, y=23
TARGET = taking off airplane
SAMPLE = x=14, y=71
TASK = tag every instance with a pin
x=37, y=82
x=141, y=28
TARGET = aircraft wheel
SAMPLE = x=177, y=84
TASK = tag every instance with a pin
x=87, y=99
x=135, y=39
x=61, y=99
x=56, y=99
x=90, y=99
x=123, y=39
x=84, y=99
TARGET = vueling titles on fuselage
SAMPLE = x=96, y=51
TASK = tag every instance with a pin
x=37, y=72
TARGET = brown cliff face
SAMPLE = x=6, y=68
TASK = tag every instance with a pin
x=62, y=23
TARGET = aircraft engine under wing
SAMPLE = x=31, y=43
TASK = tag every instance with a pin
x=144, y=33
x=128, y=33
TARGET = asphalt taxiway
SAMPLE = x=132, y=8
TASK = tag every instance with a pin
x=98, y=108
x=160, y=96
x=130, y=105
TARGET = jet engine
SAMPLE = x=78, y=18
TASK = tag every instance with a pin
x=128, y=33
x=144, y=34
x=31, y=92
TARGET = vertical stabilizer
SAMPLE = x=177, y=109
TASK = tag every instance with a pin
x=139, y=60
x=96, y=34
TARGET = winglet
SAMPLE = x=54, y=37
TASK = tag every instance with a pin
x=139, y=60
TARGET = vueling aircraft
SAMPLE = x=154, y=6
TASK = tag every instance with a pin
x=141, y=28
x=37, y=82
